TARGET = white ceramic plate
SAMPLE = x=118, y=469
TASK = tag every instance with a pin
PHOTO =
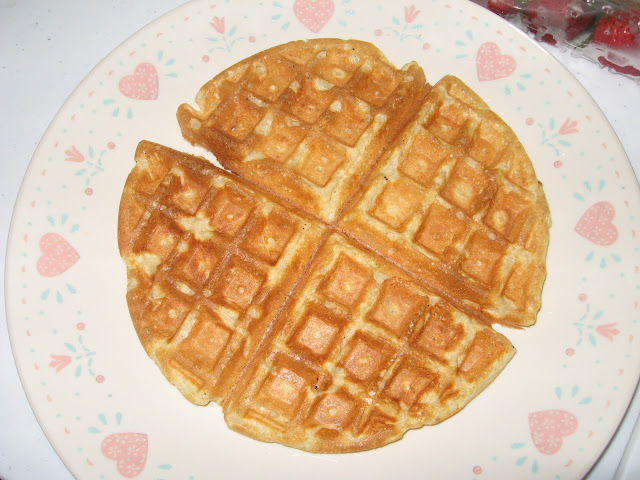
x=110, y=413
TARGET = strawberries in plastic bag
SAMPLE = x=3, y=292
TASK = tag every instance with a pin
x=557, y=20
x=604, y=31
x=618, y=30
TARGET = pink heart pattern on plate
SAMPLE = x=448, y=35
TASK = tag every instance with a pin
x=142, y=85
x=129, y=450
x=491, y=64
x=57, y=255
x=549, y=426
x=313, y=14
x=596, y=224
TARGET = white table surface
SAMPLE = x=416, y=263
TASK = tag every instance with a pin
x=46, y=49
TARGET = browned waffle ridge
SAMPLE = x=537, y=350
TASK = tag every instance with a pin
x=338, y=291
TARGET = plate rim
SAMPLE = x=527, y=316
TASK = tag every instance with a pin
x=20, y=204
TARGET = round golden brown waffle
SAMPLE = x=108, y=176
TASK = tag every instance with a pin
x=340, y=290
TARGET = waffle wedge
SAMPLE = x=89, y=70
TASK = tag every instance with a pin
x=456, y=201
x=361, y=354
x=306, y=119
x=209, y=264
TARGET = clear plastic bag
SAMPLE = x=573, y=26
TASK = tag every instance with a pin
x=604, y=31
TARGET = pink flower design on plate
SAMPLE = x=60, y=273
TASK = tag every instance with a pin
x=59, y=361
x=608, y=330
x=569, y=126
x=410, y=13
x=218, y=24
x=73, y=155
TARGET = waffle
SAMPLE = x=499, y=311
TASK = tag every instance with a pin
x=307, y=119
x=209, y=264
x=336, y=285
x=360, y=355
x=304, y=337
x=456, y=201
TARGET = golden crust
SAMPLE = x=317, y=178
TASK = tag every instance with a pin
x=455, y=201
x=307, y=126
x=302, y=335
x=210, y=262
x=339, y=291
x=360, y=355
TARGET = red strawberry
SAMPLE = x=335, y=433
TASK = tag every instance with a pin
x=557, y=19
x=503, y=7
x=618, y=30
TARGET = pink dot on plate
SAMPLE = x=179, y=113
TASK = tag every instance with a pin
x=529, y=121
x=426, y=46
x=477, y=469
x=100, y=378
x=378, y=33
x=111, y=145
x=570, y=352
x=252, y=39
x=88, y=191
x=582, y=297
x=205, y=58
x=80, y=326
x=557, y=164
